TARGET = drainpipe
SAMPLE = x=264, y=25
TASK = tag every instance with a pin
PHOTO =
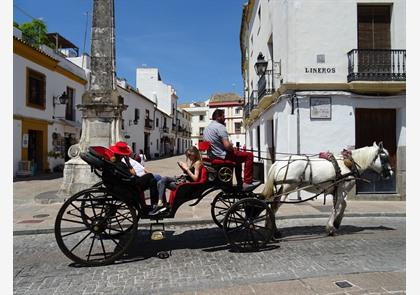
x=298, y=151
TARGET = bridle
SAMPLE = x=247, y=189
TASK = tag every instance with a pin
x=384, y=158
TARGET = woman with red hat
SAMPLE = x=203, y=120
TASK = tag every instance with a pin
x=147, y=181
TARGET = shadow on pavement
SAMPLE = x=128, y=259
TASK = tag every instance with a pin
x=296, y=233
x=213, y=239
x=41, y=176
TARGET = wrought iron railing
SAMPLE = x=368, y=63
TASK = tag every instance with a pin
x=148, y=123
x=247, y=110
x=266, y=84
x=376, y=65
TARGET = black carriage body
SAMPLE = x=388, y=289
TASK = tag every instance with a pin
x=117, y=180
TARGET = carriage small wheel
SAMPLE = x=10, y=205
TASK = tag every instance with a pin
x=249, y=225
x=225, y=174
x=163, y=254
x=95, y=227
x=220, y=205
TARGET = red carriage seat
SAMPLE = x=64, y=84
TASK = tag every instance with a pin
x=204, y=146
x=104, y=152
x=188, y=186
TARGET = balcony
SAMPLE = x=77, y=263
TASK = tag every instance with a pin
x=148, y=123
x=266, y=84
x=165, y=129
x=247, y=110
x=376, y=65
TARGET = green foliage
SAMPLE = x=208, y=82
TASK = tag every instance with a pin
x=15, y=24
x=35, y=32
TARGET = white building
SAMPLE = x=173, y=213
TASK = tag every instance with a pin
x=334, y=79
x=199, y=112
x=183, y=141
x=139, y=121
x=43, y=127
x=150, y=84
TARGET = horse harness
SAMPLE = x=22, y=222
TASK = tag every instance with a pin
x=348, y=162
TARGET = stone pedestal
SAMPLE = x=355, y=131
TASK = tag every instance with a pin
x=101, y=126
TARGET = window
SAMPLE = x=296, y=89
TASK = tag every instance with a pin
x=136, y=115
x=237, y=127
x=201, y=130
x=70, y=111
x=157, y=122
x=35, y=89
x=237, y=111
x=134, y=147
x=147, y=114
x=201, y=117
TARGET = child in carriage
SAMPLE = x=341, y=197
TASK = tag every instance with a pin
x=145, y=180
x=191, y=174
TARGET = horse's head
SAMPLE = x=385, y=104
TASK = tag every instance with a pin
x=380, y=163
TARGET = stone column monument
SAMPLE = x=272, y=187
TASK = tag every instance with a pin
x=101, y=106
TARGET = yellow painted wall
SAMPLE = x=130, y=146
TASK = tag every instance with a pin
x=38, y=125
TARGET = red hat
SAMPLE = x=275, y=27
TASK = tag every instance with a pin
x=121, y=148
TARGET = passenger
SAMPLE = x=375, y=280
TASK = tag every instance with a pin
x=146, y=181
x=140, y=169
x=221, y=148
x=140, y=157
x=191, y=174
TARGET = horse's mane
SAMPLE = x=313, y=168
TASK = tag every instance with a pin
x=364, y=156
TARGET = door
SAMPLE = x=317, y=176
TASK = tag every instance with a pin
x=35, y=149
x=374, y=32
x=147, y=145
x=377, y=125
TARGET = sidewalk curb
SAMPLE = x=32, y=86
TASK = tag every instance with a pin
x=182, y=222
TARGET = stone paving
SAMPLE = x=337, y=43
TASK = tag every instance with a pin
x=202, y=263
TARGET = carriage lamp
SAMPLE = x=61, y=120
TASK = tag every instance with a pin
x=261, y=64
x=62, y=99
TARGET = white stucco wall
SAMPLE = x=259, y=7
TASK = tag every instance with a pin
x=303, y=29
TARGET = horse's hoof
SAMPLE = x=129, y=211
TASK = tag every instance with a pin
x=277, y=235
x=331, y=232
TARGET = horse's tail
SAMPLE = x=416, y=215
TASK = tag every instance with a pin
x=269, y=184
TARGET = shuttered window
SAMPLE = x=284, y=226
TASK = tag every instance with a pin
x=374, y=26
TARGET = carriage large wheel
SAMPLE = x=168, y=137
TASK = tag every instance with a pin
x=220, y=205
x=245, y=225
x=91, y=227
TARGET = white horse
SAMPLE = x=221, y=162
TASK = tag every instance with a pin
x=318, y=175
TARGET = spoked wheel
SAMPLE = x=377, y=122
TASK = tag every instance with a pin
x=244, y=225
x=220, y=205
x=91, y=227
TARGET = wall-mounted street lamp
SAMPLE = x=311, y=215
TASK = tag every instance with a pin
x=62, y=99
x=261, y=65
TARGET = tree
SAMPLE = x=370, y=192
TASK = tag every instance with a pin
x=36, y=32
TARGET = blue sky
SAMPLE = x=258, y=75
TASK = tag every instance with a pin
x=194, y=43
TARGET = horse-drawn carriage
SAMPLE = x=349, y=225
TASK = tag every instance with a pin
x=96, y=226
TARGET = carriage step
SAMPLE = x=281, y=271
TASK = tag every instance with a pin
x=157, y=231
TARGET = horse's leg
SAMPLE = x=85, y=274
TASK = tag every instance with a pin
x=336, y=210
x=339, y=218
x=274, y=206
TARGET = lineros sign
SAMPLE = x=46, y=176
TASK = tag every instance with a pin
x=319, y=70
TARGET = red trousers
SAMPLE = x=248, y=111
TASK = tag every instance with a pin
x=242, y=157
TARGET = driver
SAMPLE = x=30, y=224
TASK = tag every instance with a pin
x=216, y=133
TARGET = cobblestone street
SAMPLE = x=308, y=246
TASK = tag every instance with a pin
x=201, y=260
